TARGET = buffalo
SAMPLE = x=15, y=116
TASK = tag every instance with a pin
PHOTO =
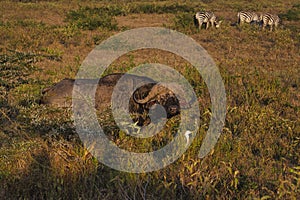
x=147, y=95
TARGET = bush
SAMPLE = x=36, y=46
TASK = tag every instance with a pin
x=93, y=18
x=185, y=22
x=16, y=67
x=103, y=17
x=292, y=14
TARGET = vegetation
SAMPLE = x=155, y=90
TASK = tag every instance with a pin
x=257, y=155
x=87, y=18
x=292, y=14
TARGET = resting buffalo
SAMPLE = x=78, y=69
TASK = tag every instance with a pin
x=143, y=98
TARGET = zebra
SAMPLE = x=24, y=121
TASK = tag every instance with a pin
x=206, y=17
x=270, y=20
x=248, y=17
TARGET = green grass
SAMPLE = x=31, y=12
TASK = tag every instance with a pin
x=292, y=14
x=90, y=19
x=257, y=155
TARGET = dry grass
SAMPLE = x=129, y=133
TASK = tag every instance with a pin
x=145, y=20
x=256, y=157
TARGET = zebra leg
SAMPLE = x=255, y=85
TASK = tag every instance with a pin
x=207, y=25
x=200, y=25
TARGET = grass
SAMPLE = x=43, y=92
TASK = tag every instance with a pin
x=292, y=14
x=257, y=155
x=87, y=18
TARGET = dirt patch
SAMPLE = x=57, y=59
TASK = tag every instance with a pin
x=145, y=20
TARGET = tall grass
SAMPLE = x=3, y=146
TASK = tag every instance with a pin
x=256, y=157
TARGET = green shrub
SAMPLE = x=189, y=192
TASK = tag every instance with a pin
x=103, y=17
x=16, y=67
x=92, y=18
x=185, y=22
x=293, y=14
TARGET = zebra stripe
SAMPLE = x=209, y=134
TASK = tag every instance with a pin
x=268, y=19
x=247, y=17
x=206, y=17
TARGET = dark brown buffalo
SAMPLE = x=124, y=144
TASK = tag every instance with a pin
x=140, y=102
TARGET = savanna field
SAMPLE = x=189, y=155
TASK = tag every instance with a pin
x=257, y=155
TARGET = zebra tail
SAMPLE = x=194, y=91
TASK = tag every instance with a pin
x=196, y=21
x=239, y=20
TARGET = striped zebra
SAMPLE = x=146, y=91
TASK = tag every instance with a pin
x=206, y=17
x=268, y=19
x=248, y=17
